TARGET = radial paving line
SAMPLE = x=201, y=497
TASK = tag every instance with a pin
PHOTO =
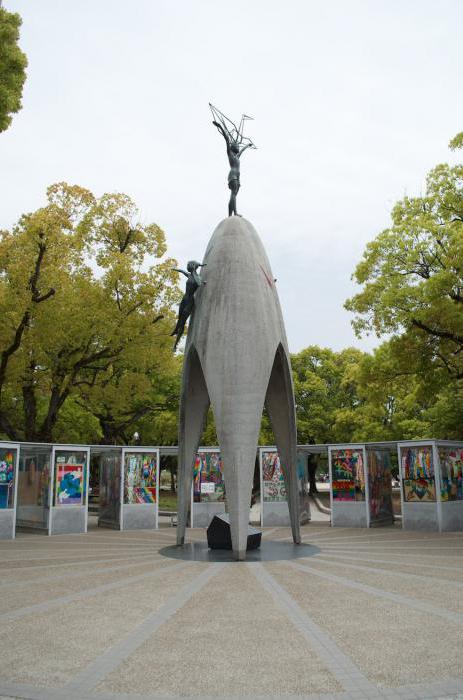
x=326, y=559
x=341, y=666
x=266, y=533
x=113, y=657
x=355, y=533
x=366, y=540
x=76, y=540
x=53, y=545
x=60, y=552
x=400, y=542
x=440, y=690
x=352, y=538
x=378, y=592
x=403, y=545
x=398, y=563
x=74, y=574
x=325, y=533
x=361, y=552
x=76, y=563
x=80, y=557
x=88, y=593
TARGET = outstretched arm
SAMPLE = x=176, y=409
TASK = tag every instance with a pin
x=248, y=145
x=223, y=132
x=176, y=269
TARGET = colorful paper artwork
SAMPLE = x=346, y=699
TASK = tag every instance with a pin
x=208, y=480
x=417, y=470
x=451, y=464
x=274, y=486
x=140, y=480
x=380, y=485
x=69, y=483
x=7, y=461
x=348, y=475
x=141, y=494
x=420, y=490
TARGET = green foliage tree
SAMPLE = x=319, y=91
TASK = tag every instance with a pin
x=324, y=386
x=87, y=319
x=412, y=279
x=13, y=63
x=391, y=400
x=412, y=275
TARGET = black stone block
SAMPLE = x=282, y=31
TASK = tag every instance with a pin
x=219, y=534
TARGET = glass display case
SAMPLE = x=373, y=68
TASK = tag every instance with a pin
x=69, y=514
x=348, y=474
x=140, y=508
x=109, y=508
x=8, y=481
x=274, y=502
x=208, y=487
x=348, y=490
x=379, y=486
x=34, y=487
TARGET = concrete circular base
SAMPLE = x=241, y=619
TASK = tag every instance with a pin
x=268, y=551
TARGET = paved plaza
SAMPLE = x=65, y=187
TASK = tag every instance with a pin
x=362, y=614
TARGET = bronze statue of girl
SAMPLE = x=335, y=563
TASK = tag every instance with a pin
x=234, y=139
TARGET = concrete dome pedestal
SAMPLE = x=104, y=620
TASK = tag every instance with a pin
x=236, y=360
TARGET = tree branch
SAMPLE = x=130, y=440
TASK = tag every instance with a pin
x=447, y=335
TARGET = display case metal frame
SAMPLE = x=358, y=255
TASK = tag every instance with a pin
x=8, y=515
x=202, y=513
x=65, y=519
x=139, y=516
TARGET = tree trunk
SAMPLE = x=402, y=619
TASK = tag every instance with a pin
x=172, y=477
x=110, y=433
x=10, y=431
x=312, y=465
x=57, y=399
x=30, y=411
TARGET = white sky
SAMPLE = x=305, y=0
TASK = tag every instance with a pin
x=353, y=103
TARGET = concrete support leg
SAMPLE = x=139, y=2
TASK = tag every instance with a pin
x=239, y=462
x=238, y=418
x=194, y=403
x=282, y=413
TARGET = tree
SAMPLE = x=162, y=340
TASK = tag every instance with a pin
x=323, y=386
x=85, y=318
x=13, y=63
x=412, y=275
x=392, y=399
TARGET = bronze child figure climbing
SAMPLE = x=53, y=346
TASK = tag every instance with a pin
x=193, y=282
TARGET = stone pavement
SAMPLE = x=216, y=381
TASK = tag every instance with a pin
x=367, y=614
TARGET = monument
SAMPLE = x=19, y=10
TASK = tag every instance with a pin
x=236, y=360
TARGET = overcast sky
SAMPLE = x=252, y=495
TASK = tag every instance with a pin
x=353, y=103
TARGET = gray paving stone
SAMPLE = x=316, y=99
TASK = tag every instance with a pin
x=339, y=547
